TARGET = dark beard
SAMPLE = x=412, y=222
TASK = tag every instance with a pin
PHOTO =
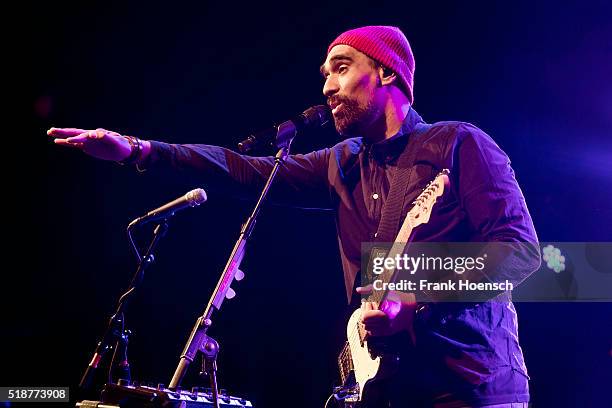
x=351, y=117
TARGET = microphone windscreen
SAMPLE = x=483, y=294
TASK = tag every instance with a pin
x=317, y=116
x=196, y=197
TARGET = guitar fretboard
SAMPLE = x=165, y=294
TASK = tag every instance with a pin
x=345, y=362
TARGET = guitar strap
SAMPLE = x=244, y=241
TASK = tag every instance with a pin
x=396, y=200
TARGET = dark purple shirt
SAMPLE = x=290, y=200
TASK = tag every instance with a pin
x=469, y=354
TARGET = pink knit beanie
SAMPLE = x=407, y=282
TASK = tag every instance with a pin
x=385, y=44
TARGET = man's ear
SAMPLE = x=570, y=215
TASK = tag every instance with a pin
x=386, y=76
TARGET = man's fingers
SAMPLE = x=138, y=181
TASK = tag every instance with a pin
x=369, y=306
x=65, y=132
x=82, y=138
x=388, y=318
x=364, y=290
x=79, y=140
x=375, y=322
x=373, y=316
x=65, y=142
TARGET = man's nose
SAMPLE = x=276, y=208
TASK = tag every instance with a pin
x=330, y=87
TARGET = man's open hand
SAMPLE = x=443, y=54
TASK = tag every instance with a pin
x=100, y=143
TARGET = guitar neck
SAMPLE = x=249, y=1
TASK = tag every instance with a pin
x=397, y=249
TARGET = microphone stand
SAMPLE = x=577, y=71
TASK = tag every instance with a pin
x=116, y=335
x=198, y=341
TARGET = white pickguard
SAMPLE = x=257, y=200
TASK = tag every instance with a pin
x=365, y=368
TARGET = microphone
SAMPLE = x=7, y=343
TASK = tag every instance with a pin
x=313, y=117
x=191, y=199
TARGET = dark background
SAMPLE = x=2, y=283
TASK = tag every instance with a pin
x=534, y=76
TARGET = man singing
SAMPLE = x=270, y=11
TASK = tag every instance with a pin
x=467, y=355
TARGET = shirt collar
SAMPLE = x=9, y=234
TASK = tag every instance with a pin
x=389, y=149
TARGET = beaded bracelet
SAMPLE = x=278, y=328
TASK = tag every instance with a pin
x=135, y=151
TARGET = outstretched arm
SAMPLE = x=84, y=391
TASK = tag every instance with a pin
x=302, y=181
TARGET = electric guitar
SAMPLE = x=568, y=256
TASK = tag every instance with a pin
x=364, y=363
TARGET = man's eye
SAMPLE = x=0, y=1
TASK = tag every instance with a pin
x=342, y=69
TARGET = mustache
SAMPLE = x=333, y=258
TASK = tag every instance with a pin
x=338, y=99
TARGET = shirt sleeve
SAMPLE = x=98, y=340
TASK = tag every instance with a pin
x=496, y=209
x=501, y=229
x=301, y=181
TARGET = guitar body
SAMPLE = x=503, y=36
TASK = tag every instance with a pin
x=375, y=361
x=365, y=362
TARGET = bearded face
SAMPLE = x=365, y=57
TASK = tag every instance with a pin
x=351, y=85
x=350, y=116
